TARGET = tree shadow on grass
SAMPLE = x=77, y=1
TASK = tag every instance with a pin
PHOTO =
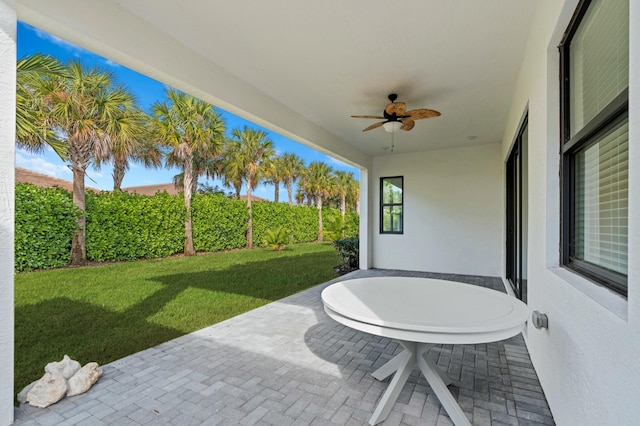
x=48, y=330
x=88, y=332
x=267, y=281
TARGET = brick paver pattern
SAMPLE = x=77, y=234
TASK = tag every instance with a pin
x=288, y=363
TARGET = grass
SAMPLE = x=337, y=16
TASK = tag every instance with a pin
x=104, y=313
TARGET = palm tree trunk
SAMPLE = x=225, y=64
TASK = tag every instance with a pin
x=276, y=192
x=289, y=185
x=250, y=210
x=343, y=210
x=320, y=230
x=187, y=187
x=118, y=174
x=79, y=241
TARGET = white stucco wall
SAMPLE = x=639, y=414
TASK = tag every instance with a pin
x=7, y=178
x=452, y=211
x=587, y=360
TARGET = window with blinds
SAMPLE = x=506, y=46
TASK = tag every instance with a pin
x=595, y=142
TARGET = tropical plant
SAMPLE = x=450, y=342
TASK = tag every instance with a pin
x=300, y=196
x=353, y=197
x=252, y=152
x=206, y=166
x=192, y=130
x=277, y=238
x=82, y=110
x=343, y=183
x=208, y=189
x=32, y=131
x=318, y=182
x=303, y=196
x=333, y=228
x=231, y=168
x=132, y=141
x=291, y=168
x=349, y=252
x=273, y=176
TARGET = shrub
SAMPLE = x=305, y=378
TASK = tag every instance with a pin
x=45, y=221
x=304, y=224
x=127, y=226
x=351, y=225
x=277, y=238
x=332, y=229
x=219, y=223
x=267, y=216
x=349, y=252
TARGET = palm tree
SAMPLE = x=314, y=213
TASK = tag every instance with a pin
x=133, y=142
x=273, y=176
x=231, y=168
x=207, y=167
x=318, y=183
x=82, y=109
x=303, y=195
x=32, y=131
x=343, y=183
x=253, y=154
x=192, y=129
x=354, y=196
x=300, y=196
x=292, y=167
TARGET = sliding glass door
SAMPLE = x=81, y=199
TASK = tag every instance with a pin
x=517, y=213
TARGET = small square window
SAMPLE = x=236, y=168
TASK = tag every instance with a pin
x=391, y=205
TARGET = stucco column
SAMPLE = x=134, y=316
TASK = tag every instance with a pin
x=7, y=181
x=365, y=220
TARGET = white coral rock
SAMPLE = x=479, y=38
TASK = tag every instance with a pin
x=67, y=367
x=84, y=379
x=50, y=389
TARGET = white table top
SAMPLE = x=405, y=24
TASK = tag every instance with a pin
x=425, y=310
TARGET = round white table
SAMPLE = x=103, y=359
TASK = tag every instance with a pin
x=421, y=312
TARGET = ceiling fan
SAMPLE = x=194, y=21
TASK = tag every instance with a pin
x=397, y=117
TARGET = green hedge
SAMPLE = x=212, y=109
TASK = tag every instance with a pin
x=219, y=223
x=124, y=226
x=45, y=221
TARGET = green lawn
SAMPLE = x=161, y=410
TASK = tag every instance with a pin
x=104, y=313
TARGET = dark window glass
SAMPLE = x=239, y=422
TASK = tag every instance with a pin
x=595, y=142
x=391, y=212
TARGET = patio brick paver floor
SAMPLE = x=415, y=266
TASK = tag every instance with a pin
x=288, y=363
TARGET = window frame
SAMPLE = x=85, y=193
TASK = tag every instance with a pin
x=383, y=205
x=613, y=114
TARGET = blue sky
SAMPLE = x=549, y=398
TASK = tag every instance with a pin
x=32, y=40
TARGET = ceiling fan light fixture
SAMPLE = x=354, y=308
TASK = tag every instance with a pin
x=392, y=126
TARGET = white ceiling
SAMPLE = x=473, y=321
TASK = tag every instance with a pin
x=330, y=59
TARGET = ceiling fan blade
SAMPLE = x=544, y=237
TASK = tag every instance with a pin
x=407, y=124
x=374, y=126
x=368, y=116
x=419, y=114
x=397, y=108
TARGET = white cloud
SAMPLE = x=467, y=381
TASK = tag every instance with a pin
x=40, y=165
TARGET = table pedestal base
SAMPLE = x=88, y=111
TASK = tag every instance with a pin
x=402, y=365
